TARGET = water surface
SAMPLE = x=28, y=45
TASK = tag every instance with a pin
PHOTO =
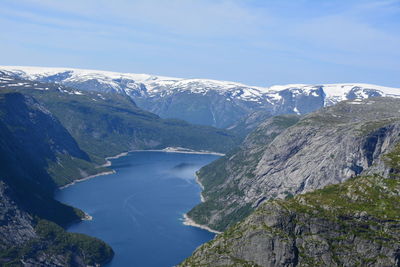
x=138, y=210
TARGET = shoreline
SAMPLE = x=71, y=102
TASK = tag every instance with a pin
x=189, y=222
x=108, y=162
x=201, y=186
x=87, y=217
x=86, y=178
x=186, y=219
x=179, y=150
x=166, y=150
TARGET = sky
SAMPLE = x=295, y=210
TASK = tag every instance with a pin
x=256, y=42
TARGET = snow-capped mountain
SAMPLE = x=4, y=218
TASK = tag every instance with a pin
x=203, y=101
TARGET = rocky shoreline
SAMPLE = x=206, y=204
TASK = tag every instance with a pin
x=180, y=150
x=108, y=162
x=87, y=178
x=189, y=222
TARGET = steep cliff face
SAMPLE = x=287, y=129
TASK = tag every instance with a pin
x=206, y=108
x=32, y=140
x=26, y=240
x=242, y=162
x=31, y=134
x=351, y=224
x=325, y=147
x=16, y=225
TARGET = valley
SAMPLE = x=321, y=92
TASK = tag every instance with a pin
x=54, y=136
x=216, y=133
x=290, y=160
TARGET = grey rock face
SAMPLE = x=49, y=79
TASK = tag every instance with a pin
x=17, y=229
x=325, y=147
x=15, y=225
x=204, y=102
x=336, y=226
x=210, y=108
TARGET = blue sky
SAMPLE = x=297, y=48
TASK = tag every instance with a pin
x=255, y=42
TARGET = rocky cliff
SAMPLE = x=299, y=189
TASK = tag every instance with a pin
x=351, y=224
x=32, y=140
x=26, y=240
x=325, y=147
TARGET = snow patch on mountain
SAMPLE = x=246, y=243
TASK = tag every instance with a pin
x=161, y=86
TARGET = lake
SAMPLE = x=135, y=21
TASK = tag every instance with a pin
x=138, y=210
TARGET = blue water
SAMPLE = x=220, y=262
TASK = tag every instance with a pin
x=138, y=210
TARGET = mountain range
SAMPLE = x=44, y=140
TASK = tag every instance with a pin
x=220, y=104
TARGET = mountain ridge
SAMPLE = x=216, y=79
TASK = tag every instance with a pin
x=38, y=73
x=204, y=101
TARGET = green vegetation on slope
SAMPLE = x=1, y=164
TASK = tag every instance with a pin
x=67, y=169
x=355, y=223
x=108, y=124
x=32, y=141
x=363, y=211
x=54, y=241
x=25, y=152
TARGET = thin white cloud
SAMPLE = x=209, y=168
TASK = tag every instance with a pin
x=355, y=33
x=189, y=17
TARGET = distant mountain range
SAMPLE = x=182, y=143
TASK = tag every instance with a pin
x=220, y=104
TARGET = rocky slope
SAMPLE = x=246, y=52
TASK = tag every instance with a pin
x=26, y=240
x=325, y=147
x=351, y=224
x=27, y=151
x=16, y=225
x=55, y=144
x=218, y=103
x=29, y=215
